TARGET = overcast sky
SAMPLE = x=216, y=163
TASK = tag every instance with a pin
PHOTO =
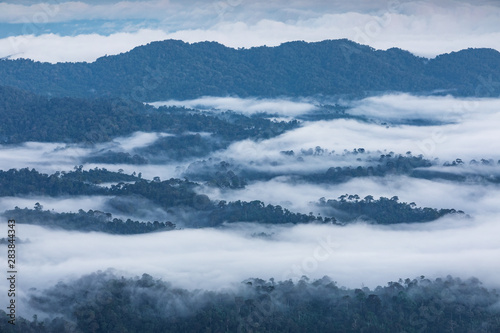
x=85, y=30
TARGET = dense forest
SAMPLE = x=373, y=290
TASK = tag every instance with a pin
x=172, y=194
x=92, y=220
x=108, y=303
x=173, y=69
x=261, y=176
x=28, y=117
x=181, y=194
x=224, y=174
x=351, y=207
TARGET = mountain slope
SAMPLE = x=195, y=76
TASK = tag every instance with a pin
x=174, y=69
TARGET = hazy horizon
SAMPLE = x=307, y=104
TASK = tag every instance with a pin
x=61, y=31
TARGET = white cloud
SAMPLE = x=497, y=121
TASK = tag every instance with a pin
x=475, y=199
x=473, y=135
x=51, y=157
x=447, y=109
x=165, y=171
x=214, y=259
x=282, y=107
x=425, y=28
x=45, y=157
x=136, y=140
x=359, y=254
x=420, y=33
x=57, y=204
x=59, y=11
x=54, y=48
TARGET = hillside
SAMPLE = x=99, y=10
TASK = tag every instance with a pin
x=178, y=70
x=29, y=117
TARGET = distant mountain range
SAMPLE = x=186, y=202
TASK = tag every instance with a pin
x=173, y=69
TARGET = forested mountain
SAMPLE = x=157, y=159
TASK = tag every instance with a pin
x=29, y=117
x=180, y=195
x=107, y=303
x=264, y=185
x=174, y=69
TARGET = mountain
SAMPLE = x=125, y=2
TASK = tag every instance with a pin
x=173, y=69
x=29, y=117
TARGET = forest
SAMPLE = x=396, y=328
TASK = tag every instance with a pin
x=370, y=164
x=109, y=303
x=177, y=187
x=28, y=117
x=177, y=194
x=85, y=221
x=173, y=69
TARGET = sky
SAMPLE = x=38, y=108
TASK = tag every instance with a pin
x=61, y=31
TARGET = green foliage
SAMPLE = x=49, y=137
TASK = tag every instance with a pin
x=112, y=157
x=215, y=173
x=173, y=69
x=168, y=194
x=108, y=303
x=78, y=182
x=219, y=173
x=92, y=220
x=28, y=117
x=181, y=194
x=385, y=165
x=480, y=171
x=25, y=181
x=350, y=208
x=178, y=148
x=257, y=211
x=95, y=176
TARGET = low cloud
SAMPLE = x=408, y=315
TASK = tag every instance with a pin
x=218, y=258
x=52, y=157
x=446, y=109
x=424, y=28
x=64, y=11
x=54, y=48
x=475, y=199
x=353, y=255
x=248, y=106
x=57, y=204
x=45, y=157
x=133, y=141
x=472, y=133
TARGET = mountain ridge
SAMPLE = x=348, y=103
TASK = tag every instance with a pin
x=173, y=69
